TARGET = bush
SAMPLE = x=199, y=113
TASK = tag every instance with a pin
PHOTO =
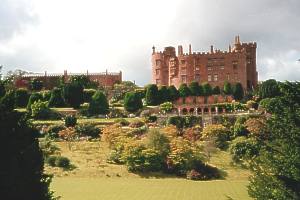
x=51, y=161
x=176, y=121
x=136, y=123
x=166, y=107
x=88, y=94
x=239, y=128
x=151, y=118
x=40, y=110
x=122, y=122
x=159, y=142
x=98, y=104
x=70, y=121
x=73, y=94
x=218, y=133
x=21, y=97
x=203, y=171
x=132, y=102
x=56, y=99
x=46, y=94
x=62, y=162
x=33, y=98
x=53, y=130
x=252, y=104
x=88, y=130
x=243, y=149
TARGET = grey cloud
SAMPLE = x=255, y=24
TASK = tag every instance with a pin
x=14, y=16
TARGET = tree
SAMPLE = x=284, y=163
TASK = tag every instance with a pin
x=132, y=102
x=184, y=90
x=195, y=88
x=216, y=90
x=164, y=94
x=21, y=97
x=269, y=89
x=99, y=104
x=2, y=89
x=207, y=90
x=166, y=107
x=276, y=172
x=84, y=81
x=227, y=88
x=73, y=94
x=152, y=96
x=174, y=94
x=238, y=91
x=56, y=99
x=36, y=84
x=22, y=173
x=33, y=98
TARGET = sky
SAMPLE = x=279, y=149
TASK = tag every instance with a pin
x=95, y=35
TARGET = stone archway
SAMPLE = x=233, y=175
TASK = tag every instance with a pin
x=184, y=111
x=191, y=111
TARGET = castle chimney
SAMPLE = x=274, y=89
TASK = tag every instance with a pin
x=153, y=49
x=211, y=49
x=229, y=49
x=45, y=73
x=190, y=49
x=238, y=39
x=180, y=50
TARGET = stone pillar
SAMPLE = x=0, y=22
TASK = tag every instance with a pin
x=179, y=111
x=202, y=111
x=224, y=110
x=196, y=111
x=216, y=108
x=209, y=110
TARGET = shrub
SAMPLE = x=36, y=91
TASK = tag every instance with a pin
x=56, y=99
x=88, y=94
x=73, y=94
x=136, y=123
x=239, y=128
x=47, y=147
x=238, y=91
x=70, y=121
x=191, y=121
x=98, y=104
x=184, y=90
x=166, y=107
x=218, y=133
x=40, y=110
x=192, y=134
x=151, y=118
x=33, y=98
x=8, y=100
x=176, y=121
x=202, y=171
x=152, y=95
x=132, y=102
x=88, y=130
x=46, y=94
x=252, y=104
x=243, y=149
x=257, y=127
x=36, y=84
x=21, y=97
x=158, y=141
x=122, y=122
x=54, y=129
x=62, y=162
x=51, y=161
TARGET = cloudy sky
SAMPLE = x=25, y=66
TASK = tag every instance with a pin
x=95, y=35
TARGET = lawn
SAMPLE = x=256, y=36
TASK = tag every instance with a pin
x=94, y=178
x=146, y=189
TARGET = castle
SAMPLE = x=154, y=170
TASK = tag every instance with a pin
x=51, y=80
x=238, y=64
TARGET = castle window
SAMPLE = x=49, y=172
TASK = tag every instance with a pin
x=157, y=71
x=209, y=68
x=157, y=81
x=222, y=67
x=228, y=76
x=182, y=62
x=209, y=77
x=183, y=78
x=197, y=68
x=157, y=62
x=216, y=77
x=197, y=77
x=234, y=64
x=236, y=76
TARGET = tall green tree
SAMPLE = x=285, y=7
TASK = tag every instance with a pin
x=216, y=90
x=269, y=89
x=2, y=89
x=207, y=89
x=184, y=90
x=164, y=94
x=132, y=102
x=238, y=91
x=152, y=95
x=33, y=98
x=98, y=104
x=227, y=88
x=56, y=99
x=174, y=94
x=21, y=97
x=276, y=171
x=73, y=94
x=195, y=88
x=22, y=165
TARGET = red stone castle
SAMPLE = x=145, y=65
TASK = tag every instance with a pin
x=51, y=80
x=238, y=64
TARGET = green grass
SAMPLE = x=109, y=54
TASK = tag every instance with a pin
x=147, y=189
x=94, y=178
